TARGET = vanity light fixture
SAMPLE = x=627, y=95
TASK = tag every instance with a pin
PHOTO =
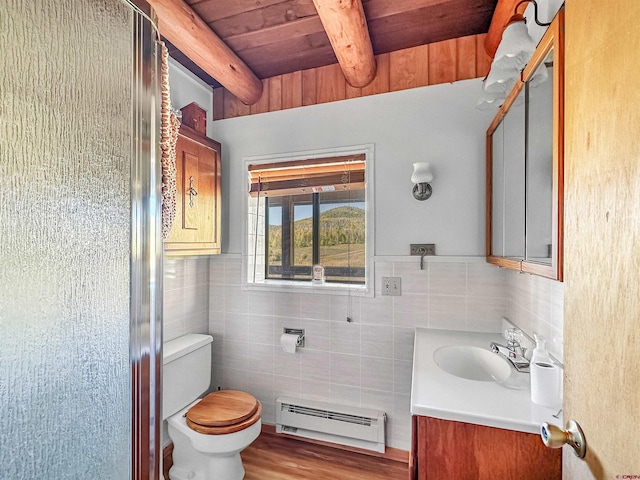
x=421, y=177
x=517, y=46
x=513, y=54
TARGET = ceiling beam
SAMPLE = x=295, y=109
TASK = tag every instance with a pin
x=346, y=26
x=191, y=35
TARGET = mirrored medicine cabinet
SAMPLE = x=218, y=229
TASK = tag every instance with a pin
x=525, y=150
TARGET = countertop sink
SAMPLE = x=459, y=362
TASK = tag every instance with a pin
x=472, y=363
x=445, y=365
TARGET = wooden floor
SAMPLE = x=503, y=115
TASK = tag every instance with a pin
x=273, y=457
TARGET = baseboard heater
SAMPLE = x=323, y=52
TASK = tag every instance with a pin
x=341, y=424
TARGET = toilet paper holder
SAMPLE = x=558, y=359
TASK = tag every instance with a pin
x=296, y=331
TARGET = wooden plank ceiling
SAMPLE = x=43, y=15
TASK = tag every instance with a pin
x=275, y=37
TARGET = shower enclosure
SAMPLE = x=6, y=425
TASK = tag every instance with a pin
x=80, y=248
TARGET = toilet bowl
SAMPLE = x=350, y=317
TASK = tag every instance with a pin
x=209, y=435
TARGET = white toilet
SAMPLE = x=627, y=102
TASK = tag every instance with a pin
x=209, y=433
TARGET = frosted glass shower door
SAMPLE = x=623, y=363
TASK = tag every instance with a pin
x=65, y=239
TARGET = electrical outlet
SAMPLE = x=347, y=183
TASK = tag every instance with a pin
x=423, y=249
x=391, y=286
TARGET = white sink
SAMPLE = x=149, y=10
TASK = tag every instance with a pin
x=472, y=363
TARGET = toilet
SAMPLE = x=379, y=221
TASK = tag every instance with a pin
x=208, y=433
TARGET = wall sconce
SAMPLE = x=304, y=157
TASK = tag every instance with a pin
x=421, y=176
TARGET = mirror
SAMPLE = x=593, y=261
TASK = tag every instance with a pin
x=539, y=163
x=525, y=166
x=508, y=183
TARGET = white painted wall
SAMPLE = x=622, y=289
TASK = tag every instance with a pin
x=439, y=124
x=186, y=88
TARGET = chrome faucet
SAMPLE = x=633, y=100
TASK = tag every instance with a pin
x=514, y=352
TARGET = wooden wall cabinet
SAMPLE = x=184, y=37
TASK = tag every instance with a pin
x=196, y=227
x=446, y=449
x=525, y=166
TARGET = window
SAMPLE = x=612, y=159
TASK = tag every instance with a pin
x=317, y=228
x=305, y=212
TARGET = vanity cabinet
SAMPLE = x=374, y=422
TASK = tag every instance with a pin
x=448, y=449
x=196, y=227
x=525, y=152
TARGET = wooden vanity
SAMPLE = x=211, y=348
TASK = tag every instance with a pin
x=465, y=429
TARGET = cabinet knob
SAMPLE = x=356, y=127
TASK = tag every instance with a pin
x=555, y=437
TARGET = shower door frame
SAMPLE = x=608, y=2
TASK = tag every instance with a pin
x=146, y=249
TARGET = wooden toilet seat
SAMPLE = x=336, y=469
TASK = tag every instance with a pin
x=224, y=411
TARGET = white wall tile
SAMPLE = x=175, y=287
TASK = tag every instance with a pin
x=378, y=310
x=236, y=301
x=541, y=297
x=414, y=280
x=485, y=280
x=377, y=373
x=216, y=298
x=260, y=385
x=448, y=312
x=317, y=334
x=343, y=306
x=344, y=394
x=316, y=307
x=259, y=303
x=448, y=278
x=286, y=364
x=411, y=311
x=403, y=343
x=484, y=314
x=259, y=358
x=286, y=305
x=236, y=327
x=402, y=371
x=285, y=386
x=345, y=337
x=535, y=304
x=557, y=305
x=376, y=341
x=315, y=390
x=377, y=400
x=260, y=329
x=345, y=369
x=315, y=365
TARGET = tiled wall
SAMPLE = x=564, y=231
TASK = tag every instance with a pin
x=186, y=296
x=366, y=362
x=535, y=304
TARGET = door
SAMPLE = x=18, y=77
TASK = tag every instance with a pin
x=602, y=236
x=80, y=301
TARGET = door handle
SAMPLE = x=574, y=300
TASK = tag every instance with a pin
x=555, y=437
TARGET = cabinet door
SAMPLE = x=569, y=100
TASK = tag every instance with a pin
x=196, y=228
x=465, y=451
x=525, y=174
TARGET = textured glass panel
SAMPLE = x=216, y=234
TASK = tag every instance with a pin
x=65, y=115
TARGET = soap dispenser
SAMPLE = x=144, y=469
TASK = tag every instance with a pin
x=546, y=377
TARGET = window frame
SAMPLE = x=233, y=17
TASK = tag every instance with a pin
x=295, y=285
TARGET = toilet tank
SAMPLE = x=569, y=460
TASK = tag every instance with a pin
x=186, y=371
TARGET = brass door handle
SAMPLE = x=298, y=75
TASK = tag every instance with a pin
x=555, y=437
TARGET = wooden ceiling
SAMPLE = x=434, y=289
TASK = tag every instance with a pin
x=274, y=37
